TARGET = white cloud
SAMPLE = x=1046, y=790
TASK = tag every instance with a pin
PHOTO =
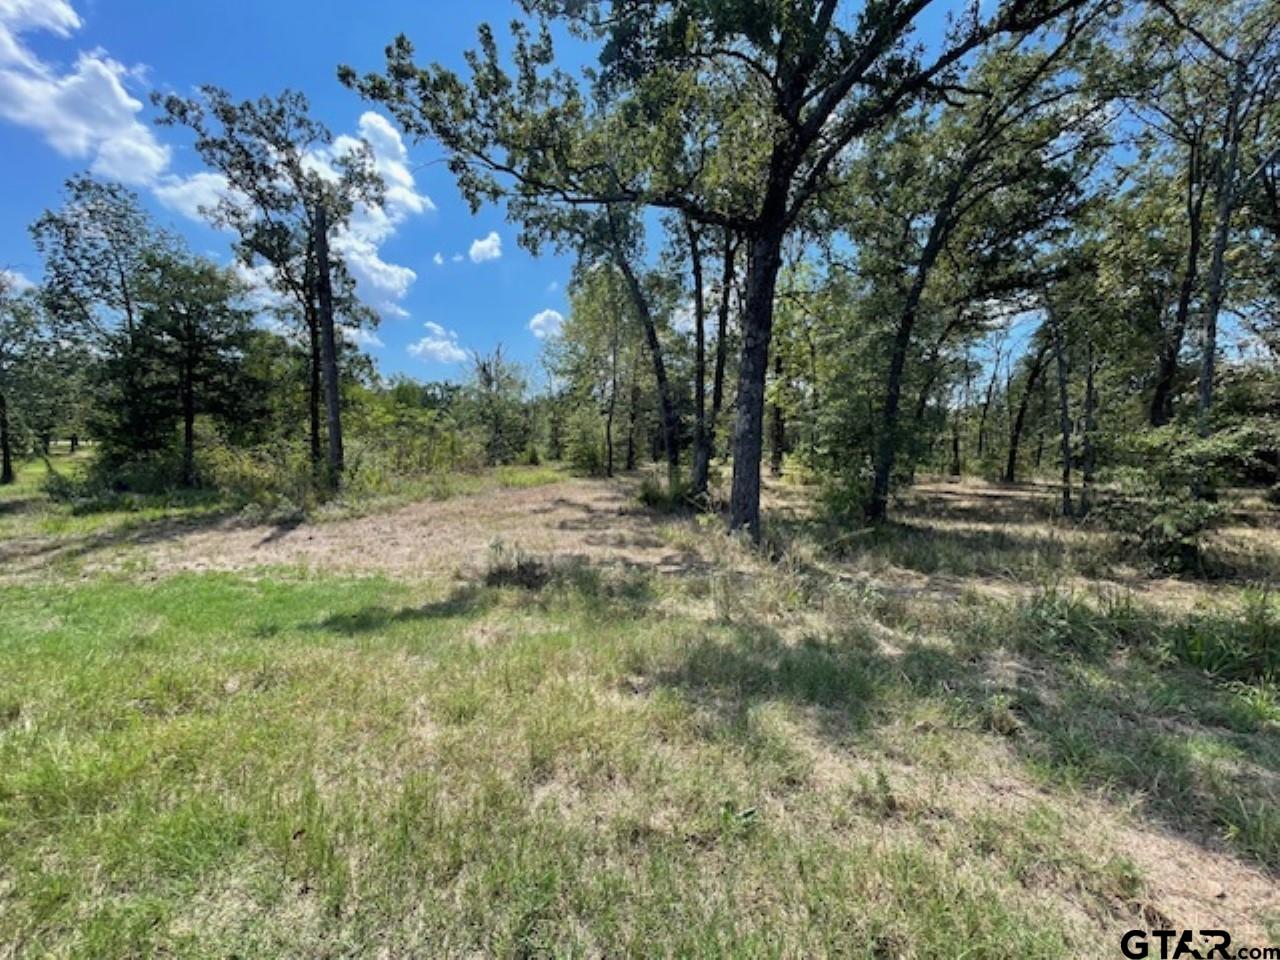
x=546, y=324
x=84, y=112
x=458, y=258
x=489, y=248
x=381, y=284
x=361, y=337
x=16, y=281
x=438, y=259
x=87, y=112
x=440, y=345
x=192, y=195
x=23, y=16
x=360, y=242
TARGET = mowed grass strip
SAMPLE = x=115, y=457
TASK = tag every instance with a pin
x=214, y=765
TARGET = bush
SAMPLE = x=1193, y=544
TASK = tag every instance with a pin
x=843, y=501
x=1163, y=499
x=272, y=477
x=584, y=447
x=665, y=498
x=1168, y=527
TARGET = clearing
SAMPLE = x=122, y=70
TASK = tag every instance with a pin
x=537, y=718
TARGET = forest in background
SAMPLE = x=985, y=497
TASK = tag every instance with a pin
x=804, y=244
x=880, y=562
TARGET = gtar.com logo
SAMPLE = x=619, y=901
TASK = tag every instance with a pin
x=1190, y=944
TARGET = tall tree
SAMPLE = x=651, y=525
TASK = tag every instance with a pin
x=287, y=187
x=1234, y=47
x=737, y=114
x=196, y=331
x=24, y=343
x=94, y=248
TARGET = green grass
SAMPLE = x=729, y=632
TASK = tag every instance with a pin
x=26, y=510
x=760, y=758
x=220, y=764
x=215, y=764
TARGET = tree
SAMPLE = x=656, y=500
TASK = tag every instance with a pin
x=994, y=174
x=287, y=189
x=23, y=345
x=196, y=328
x=184, y=358
x=1233, y=50
x=94, y=249
x=599, y=349
x=495, y=398
x=739, y=115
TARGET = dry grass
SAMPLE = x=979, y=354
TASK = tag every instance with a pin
x=624, y=734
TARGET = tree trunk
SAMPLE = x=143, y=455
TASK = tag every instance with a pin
x=1088, y=450
x=1167, y=371
x=1015, y=433
x=764, y=262
x=329, y=351
x=986, y=404
x=778, y=425
x=75, y=442
x=612, y=408
x=1064, y=410
x=6, y=444
x=632, y=416
x=313, y=384
x=701, y=435
x=188, y=427
x=957, y=467
x=1216, y=281
x=706, y=449
x=670, y=417
x=877, y=509
x=1044, y=414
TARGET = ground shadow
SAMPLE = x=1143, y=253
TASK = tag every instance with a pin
x=27, y=554
x=466, y=601
x=1141, y=737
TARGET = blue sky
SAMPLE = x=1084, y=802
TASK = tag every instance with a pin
x=75, y=79
x=75, y=76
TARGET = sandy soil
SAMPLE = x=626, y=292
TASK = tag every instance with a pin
x=596, y=521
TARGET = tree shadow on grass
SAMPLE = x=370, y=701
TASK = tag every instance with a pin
x=28, y=554
x=605, y=593
x=1136, y=735
x=467, y=601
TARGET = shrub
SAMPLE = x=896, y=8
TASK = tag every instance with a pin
x=509, y=566
x=843, y=501
x=584, y=447
x=665, y=498
x=273, y=477
x=1162, y=502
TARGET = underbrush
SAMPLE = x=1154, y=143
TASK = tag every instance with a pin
x=269, y=483
x=1237, y=642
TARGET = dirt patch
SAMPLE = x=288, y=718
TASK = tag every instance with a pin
x=600, y=522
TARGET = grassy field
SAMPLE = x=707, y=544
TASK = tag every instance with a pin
x=977, y=733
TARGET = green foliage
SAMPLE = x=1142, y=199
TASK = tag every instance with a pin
x=665, y=497
x=1236, y=643
x=1243, y=647
x=584, y=443
x=1161, y=501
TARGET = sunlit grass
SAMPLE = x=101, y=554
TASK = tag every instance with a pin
x=768, y=755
